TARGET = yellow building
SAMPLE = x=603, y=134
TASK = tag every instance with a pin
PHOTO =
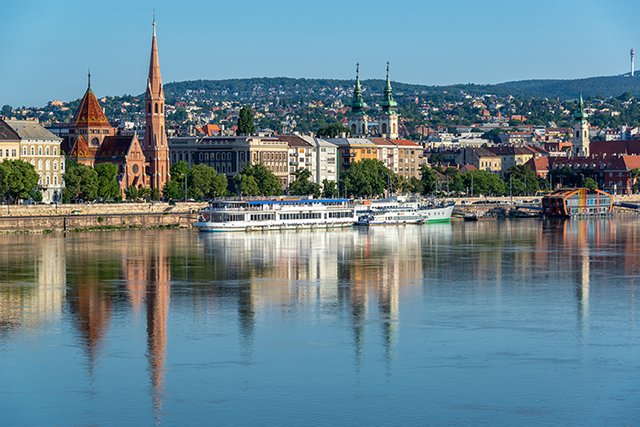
x=351, y=150
x=9, y=142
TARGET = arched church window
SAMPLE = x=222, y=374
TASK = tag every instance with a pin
x=384, y=128
x=55, y=179
x=48, y=180
x=156, y=108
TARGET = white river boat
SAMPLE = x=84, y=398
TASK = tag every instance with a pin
x=398, y=212
x=277, y=214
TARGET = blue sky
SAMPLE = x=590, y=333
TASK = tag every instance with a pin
x=48, y=45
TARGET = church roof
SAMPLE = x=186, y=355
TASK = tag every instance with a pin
x=114, y=147
x=81, y=149
x=89, y=113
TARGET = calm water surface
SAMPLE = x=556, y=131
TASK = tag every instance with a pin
x=492, y=323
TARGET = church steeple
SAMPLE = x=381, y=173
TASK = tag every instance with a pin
x=156, y=149
x=388, y=104
x=357, y=102
x=580, y=141
x=358, y=120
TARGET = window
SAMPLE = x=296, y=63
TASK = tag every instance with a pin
x=33, y=151
x=40, y=164
x=156, y=108
x=62, y=166
x=55, y=165
x=24, y=151
x=14, y=153
x=39, y=151
x=55, y=151
x=47, y=165
x=48, y=152
x=55, y=179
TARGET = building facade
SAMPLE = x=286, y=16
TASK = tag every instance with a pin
x=41, y=149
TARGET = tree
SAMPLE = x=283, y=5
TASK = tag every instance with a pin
x=329, y=189
x=429, y=180
x=590, y=183
x=6, y=111
x=493, y=135
x=301, y=185
x=131, y=193
x=245, y=121
x=268, y=183
x=523, y=180
x=204, y=182
x=247, y=185
x=481, y=182
x=108, y=187
x=334, y=130
x=366, y=178
x=179, y=171
x=635, y=174
x=81, y=183
x=18, y=180
x=173, y=190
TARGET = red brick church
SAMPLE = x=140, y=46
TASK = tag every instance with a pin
x=92, y=140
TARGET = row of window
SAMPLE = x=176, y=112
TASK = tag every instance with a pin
x=47, y=165
x=262, y=217
x=301, y=215
x=345, y=214
x=47, y=151
x=45, y=180
x=7, y=153
x=217, y=156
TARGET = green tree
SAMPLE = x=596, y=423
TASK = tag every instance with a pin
x=486, y=183
x=635, y=174
x=247, y=185
x=523, y=180
x=493, y=135
x=590, y=183
x=268, y=183
x=81, y=183
x=301, y=184
x=333, y=130
x=329, y=189
x=204, y=182
x=6, y=111
x=108, y=187
x=429, y=180
x=366, y=178
x=173, y=190
x=18, y=180
x=245, y=121
x=131, y=193
x=179, y=171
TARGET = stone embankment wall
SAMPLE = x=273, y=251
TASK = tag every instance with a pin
x=41, y=218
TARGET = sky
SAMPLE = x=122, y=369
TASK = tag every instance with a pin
x=47, y=46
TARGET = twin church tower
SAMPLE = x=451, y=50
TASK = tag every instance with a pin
x=359, y=119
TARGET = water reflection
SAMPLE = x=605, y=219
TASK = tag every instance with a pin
x=359, y=280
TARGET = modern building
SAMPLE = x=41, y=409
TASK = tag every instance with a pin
x=41, y=148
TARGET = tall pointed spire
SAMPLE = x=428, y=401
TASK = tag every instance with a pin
x=156, y=150
x=89, y=78
x=357, y=102
x=581, y=115
x=388, y=104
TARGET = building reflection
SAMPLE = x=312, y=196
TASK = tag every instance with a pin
x=32, y=282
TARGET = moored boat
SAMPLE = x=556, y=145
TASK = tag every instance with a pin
x=397, y=212
x=276, y=214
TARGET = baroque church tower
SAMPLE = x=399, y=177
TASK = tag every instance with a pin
x=388, y=123
x=580, y=138
x=358, y=120
x=156, y=149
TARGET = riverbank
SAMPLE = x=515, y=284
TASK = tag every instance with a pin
x=93, y=217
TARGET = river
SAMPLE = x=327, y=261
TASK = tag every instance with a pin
x=487, y=323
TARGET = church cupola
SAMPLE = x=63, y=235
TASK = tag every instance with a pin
x=358, y=120
x=388, y=123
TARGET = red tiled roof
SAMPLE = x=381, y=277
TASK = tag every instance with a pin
x=114, y=147
x=89, y=113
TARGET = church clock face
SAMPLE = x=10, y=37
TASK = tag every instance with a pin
x=135, y=169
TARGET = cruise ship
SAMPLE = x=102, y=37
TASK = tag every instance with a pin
x=396, y=212
x=277, y=214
